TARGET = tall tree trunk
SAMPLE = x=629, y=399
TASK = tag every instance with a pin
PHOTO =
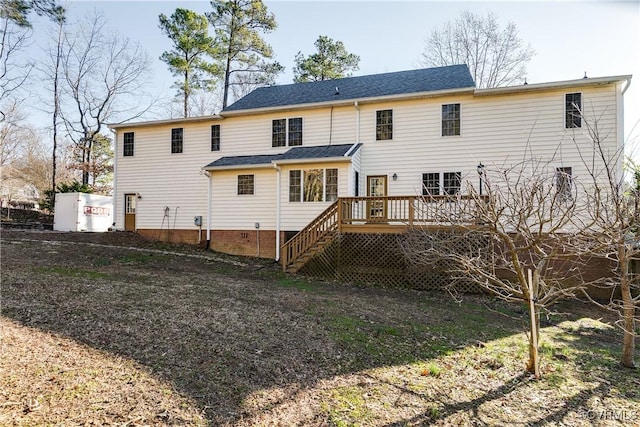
x=56, y=112
x=186, y=93
x=533, y=365
x=628, y=308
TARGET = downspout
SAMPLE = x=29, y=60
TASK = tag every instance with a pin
x=628, y=81
x=209, y=179
x=115, y=177
x=278, y=189
x=355, y=104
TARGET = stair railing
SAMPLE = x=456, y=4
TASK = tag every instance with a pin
x=299, y=244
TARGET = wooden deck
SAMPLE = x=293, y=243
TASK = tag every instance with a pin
x=389, y=214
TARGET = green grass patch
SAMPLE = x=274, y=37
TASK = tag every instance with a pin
x=348, y=407
x=101, y=262
x=375, y=343
x=74, y=272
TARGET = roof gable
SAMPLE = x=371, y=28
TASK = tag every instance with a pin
x=361, y=87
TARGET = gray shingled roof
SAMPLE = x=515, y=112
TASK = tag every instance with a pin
x=353, y=88
x=295, y=153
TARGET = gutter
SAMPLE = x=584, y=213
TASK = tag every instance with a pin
x=234, y=167
x=628, y=83
x=115, y=175
x=165, y=122
x=553, y=85
x=312, y=160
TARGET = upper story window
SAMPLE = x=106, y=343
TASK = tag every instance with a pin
x=286, y=132
x=563, y=183
x=313, y=185
x=431, y=184
x=245, y=184
x=215, y=137
x=176, y=140
x=127, y=144
x=450, y=119
x=384, y=125
x=573, y=110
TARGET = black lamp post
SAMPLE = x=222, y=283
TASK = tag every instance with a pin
x=480, y=172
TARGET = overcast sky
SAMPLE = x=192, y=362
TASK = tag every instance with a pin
x=601, y=38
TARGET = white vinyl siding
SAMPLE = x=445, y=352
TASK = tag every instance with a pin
x=231, y=211
x=498, y=130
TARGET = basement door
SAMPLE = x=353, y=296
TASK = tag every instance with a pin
x=130, y=212
x=377, y=209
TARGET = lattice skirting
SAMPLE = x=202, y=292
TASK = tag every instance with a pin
x=378, y=259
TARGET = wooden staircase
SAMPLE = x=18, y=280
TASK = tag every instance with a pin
x=310, y=240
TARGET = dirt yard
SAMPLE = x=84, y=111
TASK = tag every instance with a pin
x=110, y=329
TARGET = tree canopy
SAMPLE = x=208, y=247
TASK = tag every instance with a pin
x=18, y=11
x=244, y=55
x=332, y=61
x=496, y=56
x=192, y=44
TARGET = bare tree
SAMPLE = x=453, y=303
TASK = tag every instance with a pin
x=511, y=241
x=99, y=70
x=496, y=56
x=614, y=207
x=13, y=73
x=11, y=133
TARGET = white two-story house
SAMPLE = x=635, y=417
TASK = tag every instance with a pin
x=248, y=179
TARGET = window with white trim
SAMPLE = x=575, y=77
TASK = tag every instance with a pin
x=384, y=125
x=431, y=184
x=245, y=184
x=437, y=183
x=450, y=119
x=286, y=132
x=215, y=137
x=563, y=181
x=177, y=138
x=573, y=110
x=127, y=144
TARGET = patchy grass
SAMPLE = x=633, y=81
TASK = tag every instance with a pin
x=108, y=335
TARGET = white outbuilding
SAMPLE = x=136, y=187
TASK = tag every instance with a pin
x=83, y=212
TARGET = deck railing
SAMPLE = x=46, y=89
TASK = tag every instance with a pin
x=361, y=213
x=407, y=210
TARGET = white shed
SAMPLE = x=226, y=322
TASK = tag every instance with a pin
x=82, y=212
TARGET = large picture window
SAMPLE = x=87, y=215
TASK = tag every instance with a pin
x=313, y=185
x=384, y=125
x=450, y=119
x=176, y=140
x=127, y=144
x=573, y=110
